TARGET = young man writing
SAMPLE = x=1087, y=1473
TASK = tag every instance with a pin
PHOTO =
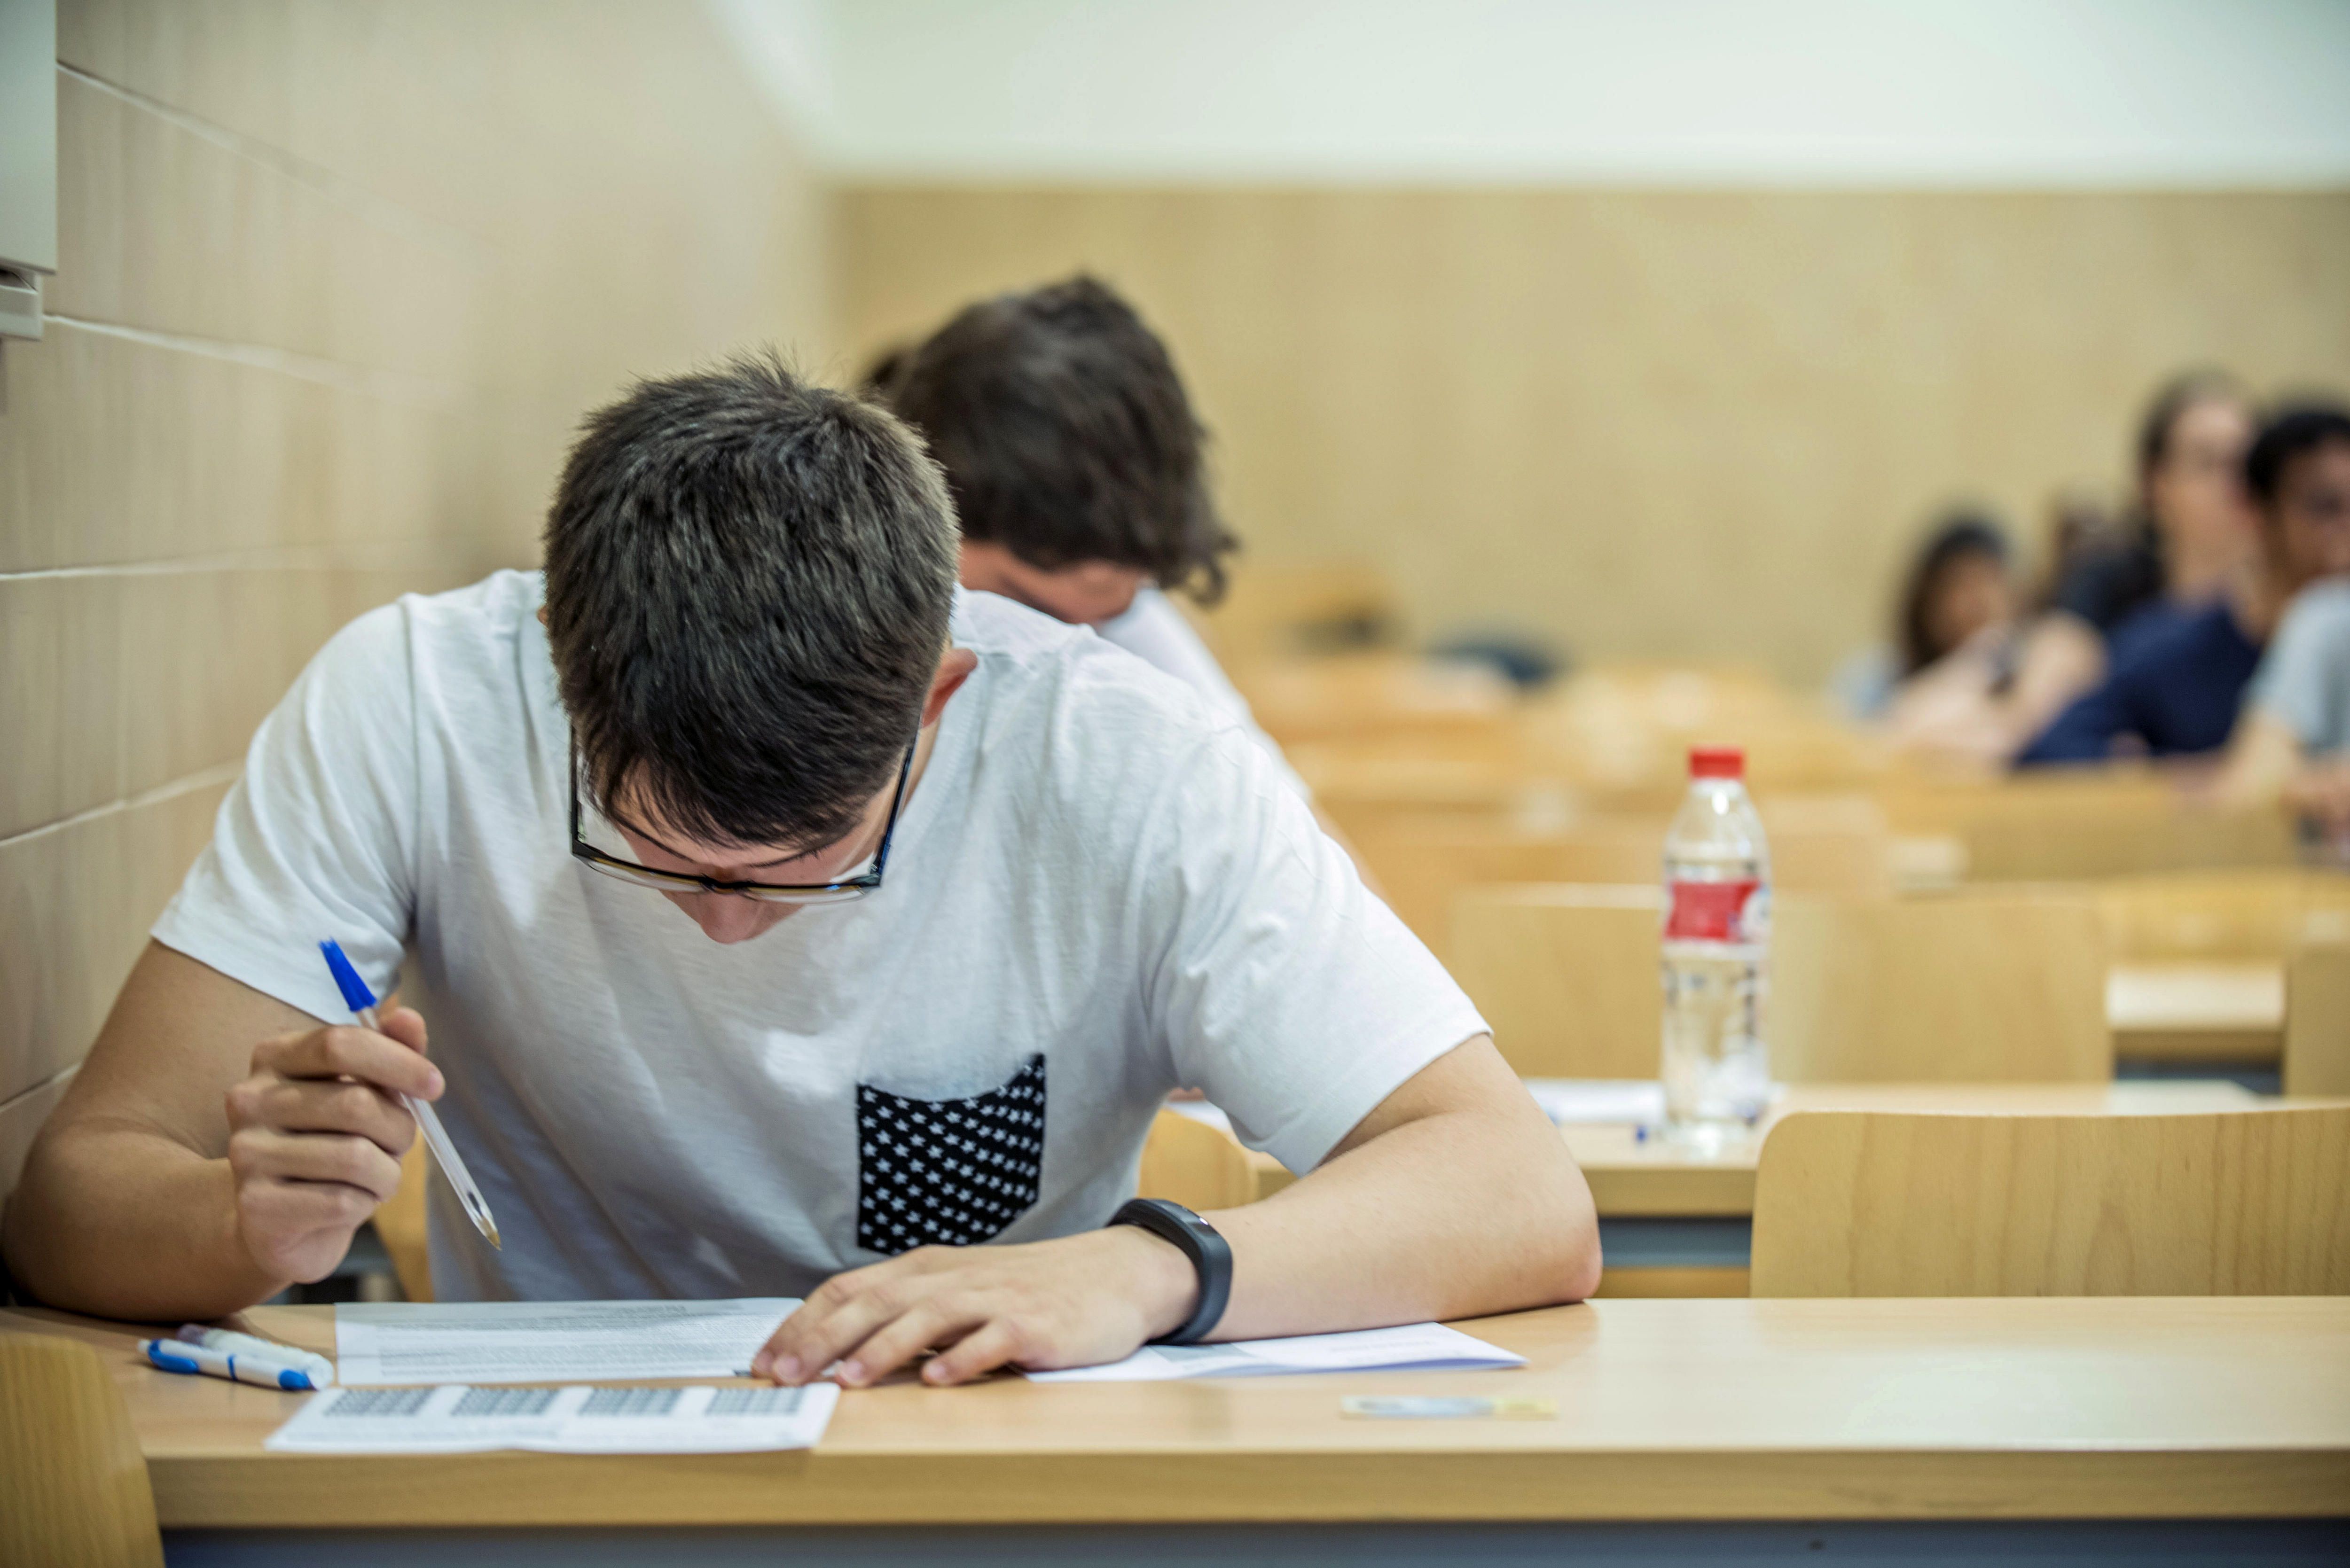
x=785, y=920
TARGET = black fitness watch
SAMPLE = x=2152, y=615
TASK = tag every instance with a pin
x=1211, y=1255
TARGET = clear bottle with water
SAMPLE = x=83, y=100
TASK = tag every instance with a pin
x=1717, y=943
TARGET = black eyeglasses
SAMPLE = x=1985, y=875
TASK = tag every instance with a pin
x=838, y=892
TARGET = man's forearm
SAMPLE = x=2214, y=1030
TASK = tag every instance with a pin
x=1454, y=1215
x=127, y=1223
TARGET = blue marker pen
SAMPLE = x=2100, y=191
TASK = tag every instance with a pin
x=237, y=1366
x=361, y=1002
x=252, y=1347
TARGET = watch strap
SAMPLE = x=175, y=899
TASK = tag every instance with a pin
x=1211, y=1255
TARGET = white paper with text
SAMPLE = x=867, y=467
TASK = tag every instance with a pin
x=457, y=1420
x=1417, y=1348
x=550, y=1342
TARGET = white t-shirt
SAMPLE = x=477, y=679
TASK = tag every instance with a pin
x=1154, y=631
x=1099, y=891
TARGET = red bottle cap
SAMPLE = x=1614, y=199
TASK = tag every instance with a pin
x=1717, y=763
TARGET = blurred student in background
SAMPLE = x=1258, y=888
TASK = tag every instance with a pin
x=2188, y=540
x=1957, y=588
x=2186, y=536
x=1945, y=686
x=1078, y=471
x=2175, y=684
x=2184, y=544
x=2081, y=527
x=2292, y=740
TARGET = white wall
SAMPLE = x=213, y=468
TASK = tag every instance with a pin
x=1842, y=92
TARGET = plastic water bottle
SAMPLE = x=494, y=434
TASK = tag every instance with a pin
x=1717, y=941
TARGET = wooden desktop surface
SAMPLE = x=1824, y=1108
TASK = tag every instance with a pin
x=2231, y=1012
x=1655, y=1177
x=2033, y=1409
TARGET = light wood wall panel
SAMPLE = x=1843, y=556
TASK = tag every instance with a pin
x=230, y=457
x=338, y=278
x=20, y=1123
x=76, y=900
x=1651, y=424
x=149, y=204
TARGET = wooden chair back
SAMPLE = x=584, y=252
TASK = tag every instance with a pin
x=399, y=1226
x=1431, y=783
x=1623, y=733
x=1974, y=989
x=1566, y=975
x=1981, y=988
x=1425, y=866
x=73, y=1485
x=1862, y=1203
x=2124, y=836
x=2317, y=1020
x=2224, y=915
x=1195, y=1164
x=1422, y=870
x=1923, y=803
x=1390, y=699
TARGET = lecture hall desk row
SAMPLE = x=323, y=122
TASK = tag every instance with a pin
x=2010, y=1424
x=1634, y=1177
x=2224, y=1015
x=2218, y=1012
x=1678, y=1221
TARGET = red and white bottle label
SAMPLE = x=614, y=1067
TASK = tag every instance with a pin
x=1709, y=912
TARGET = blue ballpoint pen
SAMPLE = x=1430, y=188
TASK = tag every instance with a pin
x=237, y=1366
x=361, y=1002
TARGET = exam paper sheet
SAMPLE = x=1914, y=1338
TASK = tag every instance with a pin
x=456, y=1420
x=1570, y=1101
x=1417, y=1348
x=550, y=1342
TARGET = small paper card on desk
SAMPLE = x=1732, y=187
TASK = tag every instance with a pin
x=551, y=1342
x=456, y=1420
x=1417, y=1348
x=1570, y=1102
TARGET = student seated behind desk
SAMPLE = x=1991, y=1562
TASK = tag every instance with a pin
x=2174, y=690
x=2293, y=741
x=1077, y=470
x=610, y=845
x=2186, y=547
x=1944, y=686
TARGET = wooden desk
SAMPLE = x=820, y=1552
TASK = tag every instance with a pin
x=2043, y=1409
x=1674, y=1220
x=2216, y=1012
x=1637, y=1178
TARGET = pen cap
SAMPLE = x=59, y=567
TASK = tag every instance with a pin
x=355, y=990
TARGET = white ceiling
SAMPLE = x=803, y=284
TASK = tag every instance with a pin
x=1840, y=92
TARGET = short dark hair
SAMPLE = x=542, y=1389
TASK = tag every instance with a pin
x=882, y=372
x=1956, y=537
x=1066, y=436
x=748, y=580
x=2294, y=431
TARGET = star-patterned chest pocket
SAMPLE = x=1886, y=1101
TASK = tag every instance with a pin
x=947, y=1172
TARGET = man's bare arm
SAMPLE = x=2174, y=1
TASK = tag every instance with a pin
x=2062, y=656
x=1454, y=1197
x=2263, y=757
x=216, y=1146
